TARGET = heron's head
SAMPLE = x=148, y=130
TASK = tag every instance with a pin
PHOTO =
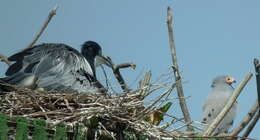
x=93, y=53
x=91, y=49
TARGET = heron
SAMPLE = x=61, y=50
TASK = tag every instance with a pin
x=57, y=66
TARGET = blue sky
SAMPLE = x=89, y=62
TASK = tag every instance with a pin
x=212, y=38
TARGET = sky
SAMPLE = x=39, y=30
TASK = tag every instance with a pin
x=216, y=37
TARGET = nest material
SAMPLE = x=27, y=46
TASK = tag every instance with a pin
x=113, y=113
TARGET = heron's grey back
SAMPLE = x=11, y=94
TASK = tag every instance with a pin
x=57, y=67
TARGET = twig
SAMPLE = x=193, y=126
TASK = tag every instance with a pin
x=180, y=127
x=246, y=120
x=252, y=124
x=119, y=76
x=125, y=65
x=177, y=76
x=116, y=71
x=68, y=106
x=144, y=84
x=257, y=75
x=144, y=112
x=106, y=130
x=51, y=14
x=5, y=59
x=227, y=107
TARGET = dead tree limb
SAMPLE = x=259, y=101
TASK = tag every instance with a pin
x=224, y=111
x=51, y=14
x=5, y=59
x=246, y=120
x=177, y=76
x=257, y=75
x=256, y=117
x=252, y=124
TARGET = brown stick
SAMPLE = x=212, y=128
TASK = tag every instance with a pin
x=51, y=14
x=5, y=59
x=177, y=76
x=246, y=120
x=224, y=111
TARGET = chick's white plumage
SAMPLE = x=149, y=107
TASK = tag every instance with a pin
x=215, y=102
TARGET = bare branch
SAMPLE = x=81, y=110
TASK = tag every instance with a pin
x=116, y=71
x=252, y=124
x=246, y=120
x=257, y=75
x=119, y=77
x=51, y=14
x=125, y=65
x=144, y=84
x=5, y=59
x=227, y=107
x=177, y=76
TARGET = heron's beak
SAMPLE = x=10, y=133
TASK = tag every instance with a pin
x=99, y=60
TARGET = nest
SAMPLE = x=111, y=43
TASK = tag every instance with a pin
x=113, y=114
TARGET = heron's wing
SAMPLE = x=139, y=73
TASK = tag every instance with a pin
x=56, y=66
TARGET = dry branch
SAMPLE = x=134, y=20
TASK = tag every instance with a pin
x=231, y=101
x=119, y=77
x=246, y=120
x=145, y=84
x=179, y=88
x=257, y=75
x=5, y=59
x=116, y=71
x=252, y=124
x=51, y=14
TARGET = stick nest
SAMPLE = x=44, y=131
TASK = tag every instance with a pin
x=110, y=113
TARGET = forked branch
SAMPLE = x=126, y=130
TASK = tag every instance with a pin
x=116, y=71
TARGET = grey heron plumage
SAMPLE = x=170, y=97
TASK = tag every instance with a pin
x=57, y=67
